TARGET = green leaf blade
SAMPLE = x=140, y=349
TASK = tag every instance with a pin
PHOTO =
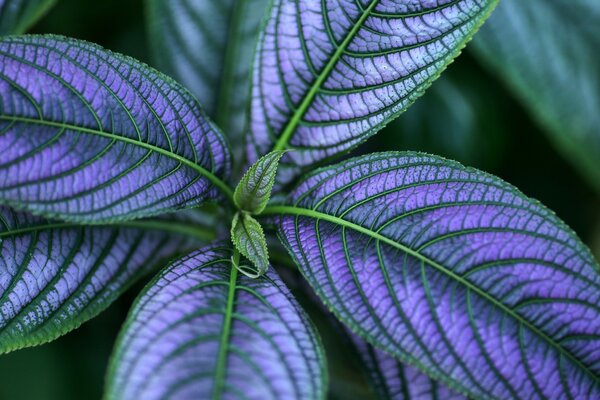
x=249, y=239
x=546, y=52
x=253, y=192
x=16, y=16
x=208, y=47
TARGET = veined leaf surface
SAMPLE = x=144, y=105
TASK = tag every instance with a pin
x=208, y=46
x=453, y=271
x=390, y=379
x=249, y=238
x=18, y=15
x=253, y=192
x=547, y=52
x=200, y=331
x=55, y=275
x=88, y=135
x=331, y=73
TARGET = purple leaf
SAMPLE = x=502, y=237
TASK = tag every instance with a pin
x=453, y=270
x=386, y=376
x=88, y=135
x=200, y=331
x=331, y=73
x=54, y=275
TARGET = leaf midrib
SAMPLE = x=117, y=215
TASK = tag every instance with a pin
x=300, y=211
x=225, y=189
x=283, y=140
x=221, y=365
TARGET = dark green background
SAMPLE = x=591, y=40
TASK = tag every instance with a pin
x=468, y=116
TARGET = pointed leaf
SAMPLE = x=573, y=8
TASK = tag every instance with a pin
x=16, y=16
x=253, y=192
x=54, y=275
x=451, y=270
x=208, y=46
x=248, y=237
x=89, y=135
x=546, y=51
x=200, y=331
x=331, y=73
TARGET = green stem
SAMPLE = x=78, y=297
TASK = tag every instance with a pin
x=225, y=334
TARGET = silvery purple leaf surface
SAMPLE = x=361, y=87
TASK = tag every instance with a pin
x=200, y=330
x=331, y=73
x=89, y=135
x=54, y=275
x=453, y=271
x=391, y=379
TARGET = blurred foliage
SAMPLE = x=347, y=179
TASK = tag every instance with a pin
x=115, y=24
x=467, y=115
x=546, y=53
x=16, y=16
x=455, y=119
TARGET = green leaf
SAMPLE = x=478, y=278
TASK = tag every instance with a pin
x=547, y=53
x=248, y=237
x=253, y=192
x=16, y=16
x=208, y=46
